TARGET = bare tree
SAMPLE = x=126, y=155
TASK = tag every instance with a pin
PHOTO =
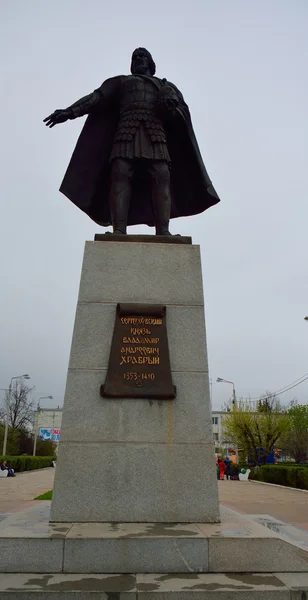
x=21, y=406
x=268, y=402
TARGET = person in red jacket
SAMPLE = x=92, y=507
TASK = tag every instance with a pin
x=222, y=469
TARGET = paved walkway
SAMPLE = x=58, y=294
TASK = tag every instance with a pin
x=286, y=504
x=18, y=492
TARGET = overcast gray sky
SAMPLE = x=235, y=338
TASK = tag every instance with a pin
x=242, y=68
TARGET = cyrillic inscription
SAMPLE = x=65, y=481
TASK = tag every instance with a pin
x=139, y=364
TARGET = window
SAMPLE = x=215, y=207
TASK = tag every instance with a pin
x=215, y=437
x=215, y=420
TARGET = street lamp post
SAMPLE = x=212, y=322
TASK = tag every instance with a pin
x=36, y=420
x=26, y=376
x=221, y=380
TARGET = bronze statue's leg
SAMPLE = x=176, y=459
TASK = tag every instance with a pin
x=120, y=193
x=161, y=195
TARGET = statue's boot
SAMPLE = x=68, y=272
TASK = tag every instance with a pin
x=162, y=215
x=161, y=196
x=120, y=193
x=119, y=204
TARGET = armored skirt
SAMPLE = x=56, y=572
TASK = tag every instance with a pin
x=140, y=134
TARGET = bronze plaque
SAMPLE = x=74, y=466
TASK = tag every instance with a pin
x=139, y=364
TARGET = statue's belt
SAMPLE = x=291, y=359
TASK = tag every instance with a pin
x=145, y=107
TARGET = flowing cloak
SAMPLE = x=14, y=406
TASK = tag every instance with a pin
x=86, y=181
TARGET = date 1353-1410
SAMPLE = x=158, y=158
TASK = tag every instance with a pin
x=133, y=375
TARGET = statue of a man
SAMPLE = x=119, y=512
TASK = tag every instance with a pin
x=137, y=159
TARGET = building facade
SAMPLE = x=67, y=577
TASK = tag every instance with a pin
x=49, y=424
x=222, y=444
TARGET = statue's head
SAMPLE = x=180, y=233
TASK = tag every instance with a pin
x=142, y=62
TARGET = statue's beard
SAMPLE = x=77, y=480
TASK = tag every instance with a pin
x=140, y=69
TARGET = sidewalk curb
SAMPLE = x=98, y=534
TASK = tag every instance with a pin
x=285, y=487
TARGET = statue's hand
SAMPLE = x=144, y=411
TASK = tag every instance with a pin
x=59, y=116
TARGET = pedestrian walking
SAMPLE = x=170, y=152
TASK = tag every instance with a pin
x=228, y=467
x=235, y=472
x=222, y=469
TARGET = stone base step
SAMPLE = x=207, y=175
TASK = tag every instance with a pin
x=190, y=586
x=30, y=544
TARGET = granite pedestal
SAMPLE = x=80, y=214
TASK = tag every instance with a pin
x=237, y=559
x=135, y=512
x=137, y=460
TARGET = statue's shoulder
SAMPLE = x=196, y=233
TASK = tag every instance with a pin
x=112, y=83
x=163, y=81
x=173, y=86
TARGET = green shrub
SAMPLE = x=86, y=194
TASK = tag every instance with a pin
x=295, y=476
x=45, y=448
x=293, y=464
x=27, y=463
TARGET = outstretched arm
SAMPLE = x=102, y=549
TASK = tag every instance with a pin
x=104, y=95
x=82, y=107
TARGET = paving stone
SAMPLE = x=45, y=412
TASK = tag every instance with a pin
x=297, y=583
x=67, y=587
x=286, y=504
x=144, y=587
x=244, y=554
x=212, y=587
x=294, y=534
x=22, y=489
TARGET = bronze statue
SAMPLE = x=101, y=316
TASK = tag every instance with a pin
x=137, y=159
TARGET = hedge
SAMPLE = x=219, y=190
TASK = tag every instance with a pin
x=292, y=476
x=244, y=465
x=27, y=463
x=292, y=464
